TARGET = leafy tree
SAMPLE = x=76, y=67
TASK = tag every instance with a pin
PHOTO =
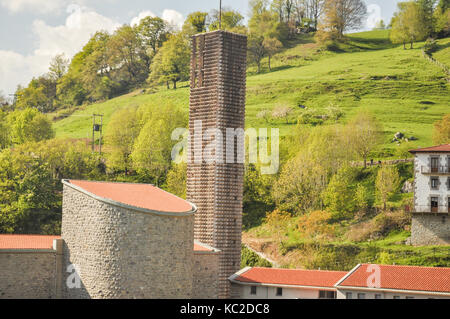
x=426, y=10
x=283, y=112
x=361, y=198
x=127, y=56
x=39, y=94
x=407, y=24
x=196, y=21
x=151, y=154
x=58, y=67
x=271, y=47
x=123, y=130
x=256, y=50
x=29, y=125
x=277, y=221
x=387, y=182
x=232, y=20
x=366, y=133
x=340, y=16
x=176, y=180
x=441, y=131
x=153, y=32
x=316, y=225
x=442, y=19
x=5, y=139
x=339, y=195
x=172, y=62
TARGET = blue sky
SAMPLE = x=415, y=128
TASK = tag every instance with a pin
x=32, y=31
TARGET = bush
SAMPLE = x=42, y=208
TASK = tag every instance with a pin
x=250, y=259
x=430, y=46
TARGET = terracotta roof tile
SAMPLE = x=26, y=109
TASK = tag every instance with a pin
x=26, y=241
x=438, y=148
x=294, y=277
x=137, y=195
x=403, y=278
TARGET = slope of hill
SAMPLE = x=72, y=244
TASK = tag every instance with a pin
x=406, y=92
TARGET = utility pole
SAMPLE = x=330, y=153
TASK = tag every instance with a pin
x=97, y=128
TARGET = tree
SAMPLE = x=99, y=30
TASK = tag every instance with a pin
x=386, y=183
x=316, y=225
x=172, y=61
x=283, y=111
x=58, y=66
x=315, y=9
x=339, y=195
x=341, y=16
x=123, y=130
x=441, y=131
x=256, y=50
x=407, y=24
x=232, y=20
x=5, y=139
x=176, y=180
x=426, y=10
x=39, y=94
x=196, y=20
x=277, y=221
x=126, y=56
x=442, y=19
x=361, y=198
x=29, y=125
x=151, y=154
x=271, y=47
x=366, y=133
x=380, y=25
x=153, y=32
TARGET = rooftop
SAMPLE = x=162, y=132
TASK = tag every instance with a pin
x=142, y=196
x=39, y=242
x=416, y=278
x=438, y=148
x=291, y=277
x=32, y=242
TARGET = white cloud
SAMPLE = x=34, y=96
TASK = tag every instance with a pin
x=142, y=15
x=68, y=38
x=41, y=6
x=175, y=18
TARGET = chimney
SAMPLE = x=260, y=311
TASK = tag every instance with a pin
x=217, y=101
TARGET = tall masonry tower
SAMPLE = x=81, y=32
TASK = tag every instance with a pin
x=214, y=182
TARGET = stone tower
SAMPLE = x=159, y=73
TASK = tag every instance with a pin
x=217, y=102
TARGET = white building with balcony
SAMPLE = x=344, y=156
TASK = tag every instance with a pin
x=430, y=224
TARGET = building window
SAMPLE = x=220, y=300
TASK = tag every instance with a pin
x=396, y=297
x=377, y=296
x=434, y=182
x=253, y=290
x=434, y=204
x=279, y=291
x=448, y=183
x=326, y=294
x=434, y=164
x=348, y=295
x=408, y=297
x=361, y=295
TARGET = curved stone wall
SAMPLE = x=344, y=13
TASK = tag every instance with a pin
x=124, y=253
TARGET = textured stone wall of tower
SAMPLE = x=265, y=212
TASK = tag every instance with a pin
x=217, y=101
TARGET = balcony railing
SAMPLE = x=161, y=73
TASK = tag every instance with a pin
x=435, y=170
x=429, y=209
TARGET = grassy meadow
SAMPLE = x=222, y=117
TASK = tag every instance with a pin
x=405, y=92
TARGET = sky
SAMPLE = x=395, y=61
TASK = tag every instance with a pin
x=34, y=31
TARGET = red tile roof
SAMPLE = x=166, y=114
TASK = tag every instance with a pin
x=292, y=277
x=26, y=241
x=402, y=278
x=201, y=247
x=137, y=195
x=439, y=148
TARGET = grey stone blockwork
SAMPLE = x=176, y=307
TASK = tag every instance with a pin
x=121, y=253
x=27, y=275
x=206, y=275
x=430, y=229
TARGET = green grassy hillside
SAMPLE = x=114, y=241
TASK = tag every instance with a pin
x=406, y=92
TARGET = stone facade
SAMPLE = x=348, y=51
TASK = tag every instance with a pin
x=124, y=253
x=206, y=272
x=430, y=229
x=214, y=183
x=28, y=274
